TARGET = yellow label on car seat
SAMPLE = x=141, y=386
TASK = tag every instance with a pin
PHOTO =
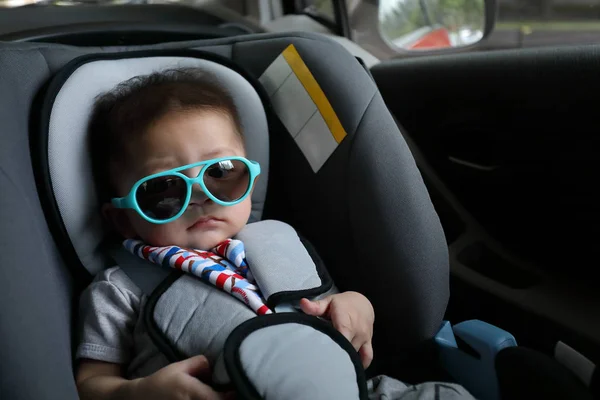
x=302, y=107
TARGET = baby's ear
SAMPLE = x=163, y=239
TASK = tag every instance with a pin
x=118, y=219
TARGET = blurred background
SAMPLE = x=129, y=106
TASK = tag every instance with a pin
x=519, y=23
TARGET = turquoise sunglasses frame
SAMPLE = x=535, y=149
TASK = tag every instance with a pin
x=130, y=200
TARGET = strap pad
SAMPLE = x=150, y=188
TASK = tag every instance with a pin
x=304, y=358
x=285, y=267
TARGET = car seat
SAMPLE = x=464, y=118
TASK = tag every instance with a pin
x=366, y=202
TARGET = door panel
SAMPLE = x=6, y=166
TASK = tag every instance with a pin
x=515, y=136
x=508, y=143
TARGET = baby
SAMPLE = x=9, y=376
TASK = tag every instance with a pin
x=151, y=137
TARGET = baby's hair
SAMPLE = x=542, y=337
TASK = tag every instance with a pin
x=124, y=113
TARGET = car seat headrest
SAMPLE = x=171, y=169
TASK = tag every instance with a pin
x=68, y=157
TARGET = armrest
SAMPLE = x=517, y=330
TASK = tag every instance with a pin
x=468, y=352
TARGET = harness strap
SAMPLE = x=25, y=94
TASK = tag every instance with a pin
x=137, y=269
x=223, y=267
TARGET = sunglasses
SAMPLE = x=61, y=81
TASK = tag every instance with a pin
x=163, y=197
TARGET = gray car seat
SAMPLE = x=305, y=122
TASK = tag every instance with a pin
x=366, y=211
x=371, y=197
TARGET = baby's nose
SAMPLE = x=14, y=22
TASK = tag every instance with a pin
x=198, y=195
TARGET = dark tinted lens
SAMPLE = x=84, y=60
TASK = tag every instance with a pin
x=227, y=180
x=161, y=198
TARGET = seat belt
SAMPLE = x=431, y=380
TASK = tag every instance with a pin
x=146, y=275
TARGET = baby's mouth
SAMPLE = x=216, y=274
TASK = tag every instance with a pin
x=206, y=222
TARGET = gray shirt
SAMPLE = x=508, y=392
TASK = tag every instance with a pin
x=111, y=325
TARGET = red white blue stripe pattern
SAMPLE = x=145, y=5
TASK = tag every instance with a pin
x=224, y=267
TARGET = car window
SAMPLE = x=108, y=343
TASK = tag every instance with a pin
x=526, y=23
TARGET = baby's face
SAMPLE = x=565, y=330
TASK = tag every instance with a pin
x=177, y=139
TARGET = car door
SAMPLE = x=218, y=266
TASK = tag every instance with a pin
x=507, y=143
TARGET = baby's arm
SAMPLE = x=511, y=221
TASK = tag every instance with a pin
x=97, y=380
x=102, y=380
x=109, y=309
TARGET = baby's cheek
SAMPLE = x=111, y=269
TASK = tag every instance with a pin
x=242, y=214
x=157, y=234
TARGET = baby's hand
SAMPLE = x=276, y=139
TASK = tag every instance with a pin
x=352, y=315
x=177, y=381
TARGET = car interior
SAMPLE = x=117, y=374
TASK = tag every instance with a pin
x=475, y=163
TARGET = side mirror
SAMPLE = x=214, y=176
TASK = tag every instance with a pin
x=415, y=25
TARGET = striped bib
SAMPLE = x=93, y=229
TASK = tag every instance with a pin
x=224, y=266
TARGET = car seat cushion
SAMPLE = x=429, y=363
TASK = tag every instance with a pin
x=68, y=156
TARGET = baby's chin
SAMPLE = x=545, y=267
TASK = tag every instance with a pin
x=204, y=241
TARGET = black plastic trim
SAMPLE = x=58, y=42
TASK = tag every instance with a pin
x=525, y=374
x=595, y=383
x=491, y=10
x=38, y=148
x=245, y=388
x=482, y=259
x=364, y=65
x=341, y=18
x=39, y=18
x=118, y=34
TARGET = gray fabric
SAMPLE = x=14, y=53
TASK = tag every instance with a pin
x=111, y=326
x=107, y=310
x=70, y=165
x=301, y=363
x=278, y=260
x=386, y=388
x=224, y=50
x=145, y=275
x=198, y=317
x=371, y=198
x=408, y=231
x=36, y=308
x=55, y=56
